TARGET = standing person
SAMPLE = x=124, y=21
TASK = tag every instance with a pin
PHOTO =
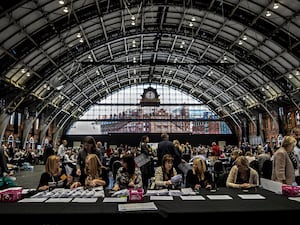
x=128, y=175
x=282, y=166
x=165, y=146
x=198, y=177
x=216, y=151
x=88, y=147
x=296, y=134
x=4, y=171
x=54, y=176
x=62, y=150
x=48, y=150
x=241, y=175
x=95, y=174
x=148, y=168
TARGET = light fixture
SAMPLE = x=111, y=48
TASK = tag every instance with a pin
x=268, y=13
x=66, y=10
x=276, y=5
x=244, y=38
x=240, y=42
x=61, y=2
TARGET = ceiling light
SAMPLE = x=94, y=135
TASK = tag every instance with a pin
x=66, y=10
x=28, y=74
x=81, y=40
x=61, y=2
x=268, y=13
x=290, y=76
x=132, y=23
x=276, y=5
x=244, y=38
x=297, y=73
x=58, y=88
x=193, y=19
x=191, y=24
x=23, y=70
x=132, y=17
x=78, y=35
x=240, y=42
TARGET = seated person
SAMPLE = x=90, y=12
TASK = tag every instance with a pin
x=128, y=175
x=198, y=177
x=95, y=174
x=165, y=173
x=54, y=176
x=241, y=175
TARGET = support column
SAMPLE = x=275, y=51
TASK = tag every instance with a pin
x=28, y=123
x=4, y=118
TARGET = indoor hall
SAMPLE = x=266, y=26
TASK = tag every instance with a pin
x=203, y=71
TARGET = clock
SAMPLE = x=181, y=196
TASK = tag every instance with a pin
x=150, y=97
x=150, y=94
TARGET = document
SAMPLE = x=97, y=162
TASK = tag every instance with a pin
x=192, y=197
x=33, y=200
x=65, y=200
x=161, y=197
x=252, y=196
x=219, y=197
x=137, y=206
x=85, y=200
x=114, y=199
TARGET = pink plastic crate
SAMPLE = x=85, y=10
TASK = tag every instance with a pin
x=289, y=190
x=11, y=194
x=136, y=194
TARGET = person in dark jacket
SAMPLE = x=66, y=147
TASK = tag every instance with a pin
x=89, y=147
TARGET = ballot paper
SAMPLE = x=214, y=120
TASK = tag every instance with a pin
x=137, y=206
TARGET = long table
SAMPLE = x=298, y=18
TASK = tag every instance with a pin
x=274, y=206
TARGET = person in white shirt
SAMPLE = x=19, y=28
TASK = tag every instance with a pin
x=62, y=150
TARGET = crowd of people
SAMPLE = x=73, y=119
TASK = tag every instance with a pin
x=92, y=165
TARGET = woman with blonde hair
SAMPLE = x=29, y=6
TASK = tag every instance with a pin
x=241, y=175
x=198, y=177
x=95, y=174
x=54, y=176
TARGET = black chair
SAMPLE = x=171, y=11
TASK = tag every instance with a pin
x=218, y=171
x=266, y=171
x=115, y=166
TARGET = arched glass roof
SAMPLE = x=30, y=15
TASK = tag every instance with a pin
x=58, y=58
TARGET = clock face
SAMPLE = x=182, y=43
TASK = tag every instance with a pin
x=150, y=95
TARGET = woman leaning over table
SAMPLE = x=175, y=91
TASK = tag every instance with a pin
x=241, y=175
x=95, y=174
x=128, y=175
x=54, y=176
x=282, y=166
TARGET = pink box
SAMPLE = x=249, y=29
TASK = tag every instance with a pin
x=289, y=190
x=11, y=194
x=136, y=194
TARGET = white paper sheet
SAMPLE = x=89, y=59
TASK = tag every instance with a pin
x=271, y=185
x=85, y=200
x=219, y=197
x=33, y=200
x=161, y=197
x=294, y=198
x=252, y=196
x=192, y=197
x=114, y=199
x=137, y=206
x=58, y=200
